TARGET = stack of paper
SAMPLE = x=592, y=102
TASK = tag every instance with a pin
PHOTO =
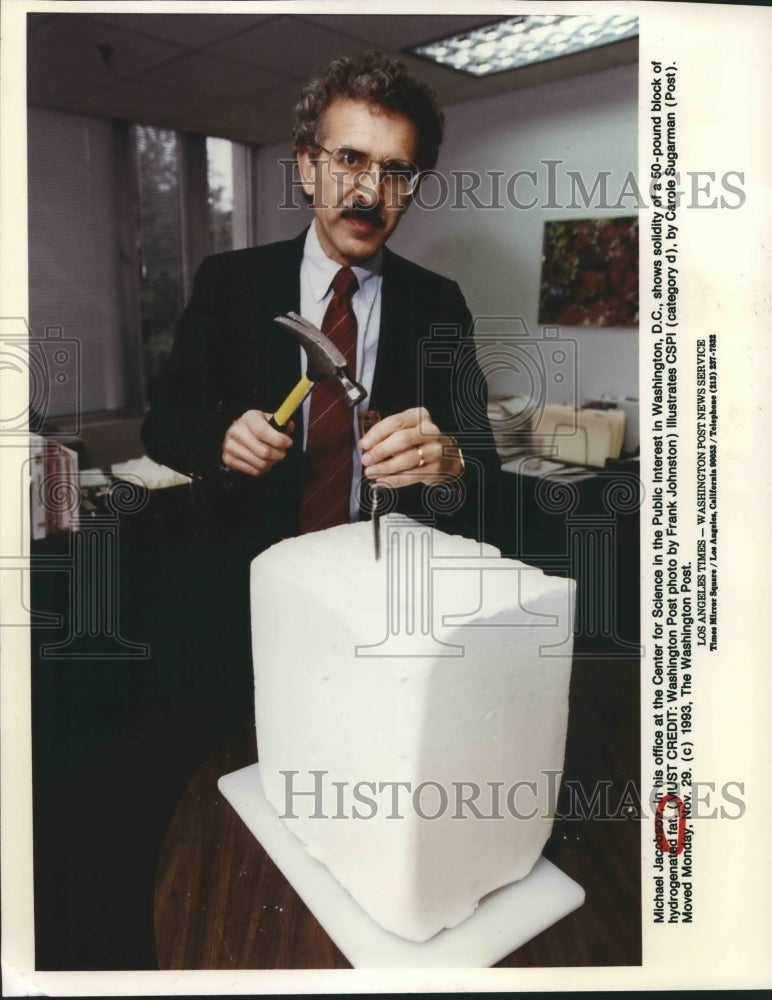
x=152, y=475
x=511, y=425
x=54, y=488
x=586, y=437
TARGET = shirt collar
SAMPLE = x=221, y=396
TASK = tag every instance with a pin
x=321, y=270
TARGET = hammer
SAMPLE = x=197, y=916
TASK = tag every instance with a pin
x=324, y=361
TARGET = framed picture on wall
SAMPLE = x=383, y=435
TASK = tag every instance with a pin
x=589, y=272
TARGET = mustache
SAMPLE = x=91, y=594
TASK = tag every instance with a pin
x=370, y=213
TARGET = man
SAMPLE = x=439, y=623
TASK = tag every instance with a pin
x=363, y=132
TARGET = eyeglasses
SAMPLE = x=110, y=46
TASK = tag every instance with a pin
x=399, y=177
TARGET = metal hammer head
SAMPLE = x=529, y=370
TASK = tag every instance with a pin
x=324, y=358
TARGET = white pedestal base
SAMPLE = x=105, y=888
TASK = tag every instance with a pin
x=504, y=920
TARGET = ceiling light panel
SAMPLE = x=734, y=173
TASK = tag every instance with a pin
x=520, y=41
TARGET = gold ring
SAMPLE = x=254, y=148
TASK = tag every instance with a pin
x=421, y=459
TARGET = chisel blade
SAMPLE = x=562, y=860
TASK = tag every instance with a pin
x=367, y=418
x=376, y=524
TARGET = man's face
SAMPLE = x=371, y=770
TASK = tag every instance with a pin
x=347, y=234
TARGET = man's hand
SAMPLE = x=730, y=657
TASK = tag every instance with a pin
x=408, y=448
x=251, y=445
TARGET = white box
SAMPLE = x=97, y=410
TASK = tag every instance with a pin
x=411, y=713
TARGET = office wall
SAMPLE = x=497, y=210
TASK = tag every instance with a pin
x=589, y=125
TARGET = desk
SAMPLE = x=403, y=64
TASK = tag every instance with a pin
x=116, y=741
x=128, y=698
x=220, y=902
x=586, y=528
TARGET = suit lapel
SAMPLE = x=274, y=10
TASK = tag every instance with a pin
x=395, y=377
x=281, y=294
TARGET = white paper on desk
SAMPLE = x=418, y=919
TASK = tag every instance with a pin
x=153, y=475
x=92, y=478
x=527, y=465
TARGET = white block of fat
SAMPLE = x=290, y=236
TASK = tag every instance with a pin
x=411, y=713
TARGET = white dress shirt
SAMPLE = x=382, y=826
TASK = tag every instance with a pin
x=316, y=274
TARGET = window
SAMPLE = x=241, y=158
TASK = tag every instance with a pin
x=171, y=185
x=159, y=242
x=120, y=218
x=219, y=176
x=186, y=196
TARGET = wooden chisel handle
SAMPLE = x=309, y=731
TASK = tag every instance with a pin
x=368, y=419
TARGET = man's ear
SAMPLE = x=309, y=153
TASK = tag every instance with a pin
x=307, y=171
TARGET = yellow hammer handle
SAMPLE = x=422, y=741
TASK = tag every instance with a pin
x=292, y=402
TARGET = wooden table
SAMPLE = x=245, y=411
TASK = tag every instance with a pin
x=221, y=903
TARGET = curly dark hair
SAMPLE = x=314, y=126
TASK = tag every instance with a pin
x=378, y=79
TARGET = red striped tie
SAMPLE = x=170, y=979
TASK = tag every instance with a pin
x=325, y=499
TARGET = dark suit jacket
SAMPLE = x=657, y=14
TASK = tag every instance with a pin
x=229, y=356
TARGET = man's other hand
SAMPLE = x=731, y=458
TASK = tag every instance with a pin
x=407, y=448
